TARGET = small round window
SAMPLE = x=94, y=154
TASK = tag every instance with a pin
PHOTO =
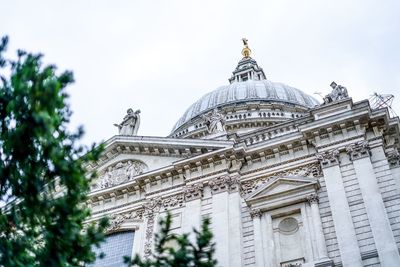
x=288, y=225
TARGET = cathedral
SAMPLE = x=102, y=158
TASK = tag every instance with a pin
x=286, y=180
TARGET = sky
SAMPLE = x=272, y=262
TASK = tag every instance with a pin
x=161, y=56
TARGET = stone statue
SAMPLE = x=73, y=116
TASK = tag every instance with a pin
x=215, y=122
x=339, y=92
x=130, y=123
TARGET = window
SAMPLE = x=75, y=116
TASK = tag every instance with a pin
x=115, y=247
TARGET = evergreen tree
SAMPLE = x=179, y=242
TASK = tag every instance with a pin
x=40, y=225
x=199, y=253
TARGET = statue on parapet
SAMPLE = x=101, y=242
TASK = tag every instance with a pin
x=338, y=92
x=130, y=123
x=215, y=122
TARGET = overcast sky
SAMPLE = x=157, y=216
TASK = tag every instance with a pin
x=161, y=56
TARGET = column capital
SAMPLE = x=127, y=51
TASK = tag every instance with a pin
x=255, y=213
x=193, y=191
x=329, y=158
x=313, y=199
x=225, y=183
x=393, y=157
x=219, y=184
x=358, y=150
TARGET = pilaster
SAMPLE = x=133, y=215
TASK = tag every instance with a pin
x=258, y=237
x=322, y=253
x=343, y=223
x=226, y=220
x=385, y=244
x=192, y=211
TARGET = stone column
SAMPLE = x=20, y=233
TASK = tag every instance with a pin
x=192, y=212
x=318, y=232
x=226, y=222
x=384, y=240
x=258, y=237
x=343, y=223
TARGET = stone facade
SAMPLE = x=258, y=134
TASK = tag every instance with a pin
x=318, y=190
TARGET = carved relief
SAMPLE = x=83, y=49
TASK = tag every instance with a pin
x=312, y=170
x=150, y=208
x=358, y=150
x=329, y=158
x=119, y=173
x=116, y=220
x=149, y=235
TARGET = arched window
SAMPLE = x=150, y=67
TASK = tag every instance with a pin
x=115, y=247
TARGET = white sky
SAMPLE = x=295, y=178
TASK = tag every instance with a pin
x=161, y=56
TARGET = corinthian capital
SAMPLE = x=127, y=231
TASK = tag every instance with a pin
x=254, y=213
x=313, y=198
x=358, y=150
x=194, y=191
x=329, y=158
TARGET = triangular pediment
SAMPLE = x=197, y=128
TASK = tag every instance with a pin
x=282, y=186
x=127, y=158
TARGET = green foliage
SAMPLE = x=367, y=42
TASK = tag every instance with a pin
x=184, y=253
x=41, y=226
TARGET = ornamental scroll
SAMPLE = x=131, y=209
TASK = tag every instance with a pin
x=120, y=172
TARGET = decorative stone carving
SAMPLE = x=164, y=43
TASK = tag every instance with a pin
x=215, y=122
x=116, y=220
x=121, y=172
x=194, y=191
x=150, y=208
x=313, y=198
x=149, y=235
x=393, y=158
x=224, y=183
x=329, y=158
x=152, y=205
x=254, y=213
x=234, y=183
x=358, y=150
x=339, y=92
x=219, y=184
x=130, y=123
x=173, y=201
x=312, y=170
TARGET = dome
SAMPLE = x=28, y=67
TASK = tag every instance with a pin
x=249, y=102
x=247, y=91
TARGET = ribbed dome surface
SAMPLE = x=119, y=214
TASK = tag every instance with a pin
x=251, y=90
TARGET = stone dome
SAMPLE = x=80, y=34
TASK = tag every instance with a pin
x=247, y=91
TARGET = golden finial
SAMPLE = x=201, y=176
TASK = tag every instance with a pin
x=246, y=51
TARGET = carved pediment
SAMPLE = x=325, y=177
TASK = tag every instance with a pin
x=119, y=172
x=286, y=189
